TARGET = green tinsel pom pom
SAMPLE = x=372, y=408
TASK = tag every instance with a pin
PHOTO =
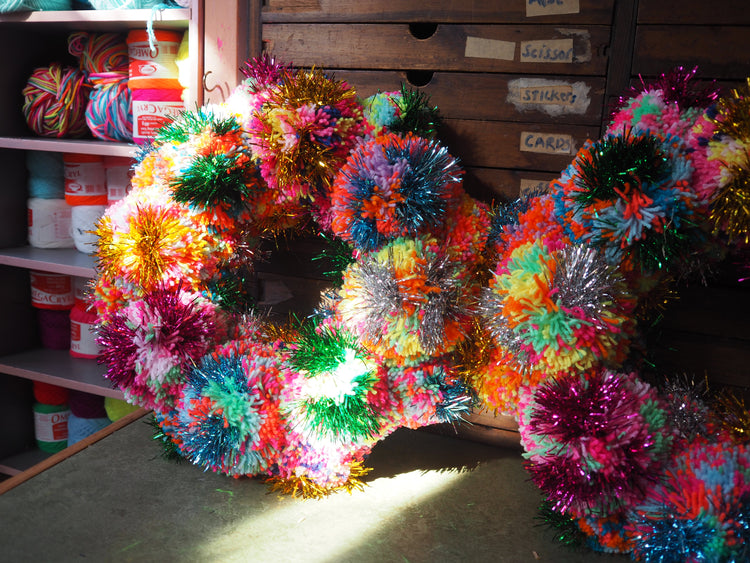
x=619, y=160
x=170, y=451
x=564, y=527
x=417, y=115
x=215, y=179
x=190, y=123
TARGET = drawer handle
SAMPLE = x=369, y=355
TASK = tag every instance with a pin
x=422, y=30
x=419, y=78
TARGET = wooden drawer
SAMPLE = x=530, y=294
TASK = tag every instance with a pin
x=718, y=51
x=497, y=184
x=538, y=49
x=528, y=146
x=731, y=12
x=493, y=97
x=459, y=11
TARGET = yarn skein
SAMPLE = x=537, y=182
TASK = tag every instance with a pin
x=55, y=99
x=45, y=178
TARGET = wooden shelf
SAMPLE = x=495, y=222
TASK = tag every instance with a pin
x=68, y=261
x=18, y=463
x=102, y=19
x=80, y=146
x=58, y=367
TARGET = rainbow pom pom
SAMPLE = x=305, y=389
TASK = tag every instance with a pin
x=558, y=311
x=405, y=301
x=595, y=442
x=392, y=187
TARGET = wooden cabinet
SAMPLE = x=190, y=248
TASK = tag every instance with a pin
x=30, y=40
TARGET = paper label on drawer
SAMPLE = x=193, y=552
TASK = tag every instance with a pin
x=553, y=97
x=546, y=143
x=531, y=186
x=551, y=7
x=481, y=48
x=547, y=51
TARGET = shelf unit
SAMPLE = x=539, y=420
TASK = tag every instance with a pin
x=43, y=37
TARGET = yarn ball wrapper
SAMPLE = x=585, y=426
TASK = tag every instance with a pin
x=596, y=441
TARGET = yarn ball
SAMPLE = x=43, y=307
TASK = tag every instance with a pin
x=150, y=344
x=55, y=100
x=405, y=301
x=699, y=511
x=390, y=187
x=86, y=405
x=558, y=311
x=109, y=112
x=228, y=418
x=80, y=427
x=117, y=408
x=596, y=441
x=49, y=394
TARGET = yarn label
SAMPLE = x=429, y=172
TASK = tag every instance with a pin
x=160, y=63
x=551, y=7
x=51, y=426
x=85, y=179
x=150, y=116
x=546, y=143
x=82, y=340
x=51, y=291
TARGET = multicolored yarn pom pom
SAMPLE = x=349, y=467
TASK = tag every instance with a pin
x=700, y=511
x=402, y=111
x=304, y=133
x=228, y=420
x=151, y=342
x=390, y=187
x=406, y=301
x=558, y=311
x=596, y=441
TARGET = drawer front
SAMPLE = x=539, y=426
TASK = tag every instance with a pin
x=459, y=11
x=539, y=49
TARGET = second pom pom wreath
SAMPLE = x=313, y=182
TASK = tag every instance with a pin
x=443, y=304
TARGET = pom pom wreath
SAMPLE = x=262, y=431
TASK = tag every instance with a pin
x=402, y=111
x=392, y=187
x=228, y=420
x=304, y=133
x=700, y=511
x=405, y=301
x=596, y=441
x=149, y=344
x=558, y=311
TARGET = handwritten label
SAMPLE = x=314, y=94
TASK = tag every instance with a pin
x=547, y=51
x=546, y=143
x=551, y=7
x=478, y=47
x=533, y=186
x=557, y=95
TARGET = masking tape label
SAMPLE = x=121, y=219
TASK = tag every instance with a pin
x=547, y=51
x=478, y=47
x=551, y=7
x=530, y=186
x=546, y=143
x=553, y=97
